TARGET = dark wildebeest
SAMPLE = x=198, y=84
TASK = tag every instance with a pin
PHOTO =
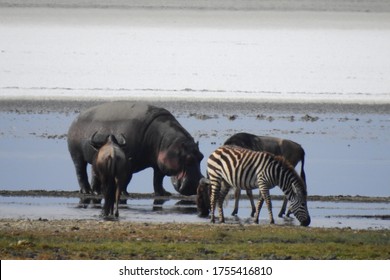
x=111, y=167
x=291, y=151
x=153, y=138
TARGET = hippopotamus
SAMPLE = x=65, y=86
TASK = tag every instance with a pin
x=111, y=168
x=151, y=137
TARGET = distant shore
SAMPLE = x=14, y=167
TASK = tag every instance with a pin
x=231, y=5
x=69, y=194
x=204, y=107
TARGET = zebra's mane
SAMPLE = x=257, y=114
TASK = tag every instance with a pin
x=286, y=164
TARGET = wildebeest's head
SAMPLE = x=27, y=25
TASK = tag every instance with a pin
x=181, y=160
x=203, y=198
x=97, y=140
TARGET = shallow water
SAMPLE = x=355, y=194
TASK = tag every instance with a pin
x=346, y=154
x=323, y=214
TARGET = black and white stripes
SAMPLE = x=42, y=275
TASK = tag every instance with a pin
x=231, y=166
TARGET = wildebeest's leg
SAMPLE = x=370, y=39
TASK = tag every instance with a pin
x=158, y=177
x=82, y=176
x=283, y=209
x=121, y=184
x=117, y=197
x=107, y=193
x=237, y=194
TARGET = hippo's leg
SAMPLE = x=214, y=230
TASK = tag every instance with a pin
x=82, y=176
x=158, y=178
x=96, y=183
x=124, y=181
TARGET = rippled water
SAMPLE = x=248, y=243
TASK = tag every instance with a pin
x=323, y=214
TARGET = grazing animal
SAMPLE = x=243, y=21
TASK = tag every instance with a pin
x=153, y=138
x=111, y=168
x=291, y=151
x=231, y=166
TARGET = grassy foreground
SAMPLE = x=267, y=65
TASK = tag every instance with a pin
x=90, y=239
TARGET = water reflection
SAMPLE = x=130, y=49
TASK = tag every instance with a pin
x=179, y=207
x=324, y=213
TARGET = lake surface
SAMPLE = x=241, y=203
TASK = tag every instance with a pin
x=346, y=154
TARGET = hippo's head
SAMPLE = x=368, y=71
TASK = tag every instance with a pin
x=181, y=161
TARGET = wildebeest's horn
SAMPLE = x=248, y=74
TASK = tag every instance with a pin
x=121, y=140
x=204, y=181
x=93, y=142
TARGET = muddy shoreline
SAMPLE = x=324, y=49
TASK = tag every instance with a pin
x=76, y=194
x=28, y=106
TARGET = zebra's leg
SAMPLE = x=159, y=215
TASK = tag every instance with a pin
x=251, y=199
x=283, y=209
x=265, y=194
x=288, y=212
x=258, y=208
x=213, y=201
x=222, y=194
x=237, y=194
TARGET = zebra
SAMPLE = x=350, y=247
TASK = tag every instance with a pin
x=232, y=166
x=291, y=151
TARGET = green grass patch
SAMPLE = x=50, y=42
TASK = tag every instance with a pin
x=126, y=240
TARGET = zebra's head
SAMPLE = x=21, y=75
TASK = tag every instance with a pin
x=299, y=205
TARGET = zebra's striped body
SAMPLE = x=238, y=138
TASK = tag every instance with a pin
x=231, y=166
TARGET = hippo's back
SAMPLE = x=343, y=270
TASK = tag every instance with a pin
x=115, y=118
x=119, y=111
